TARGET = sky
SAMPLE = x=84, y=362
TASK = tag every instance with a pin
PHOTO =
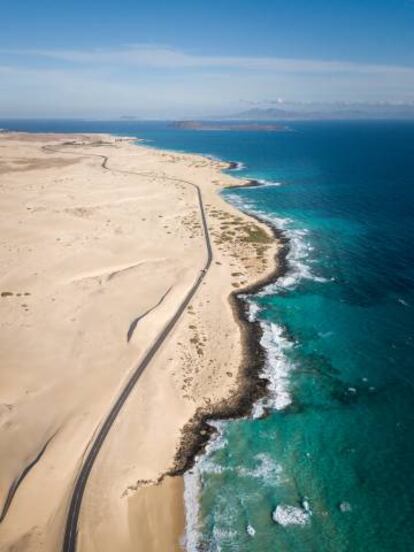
x=187, y=58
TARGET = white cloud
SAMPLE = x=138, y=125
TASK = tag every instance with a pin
x=156, y=80
x=156, y=56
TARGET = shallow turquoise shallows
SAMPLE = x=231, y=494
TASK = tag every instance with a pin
x=331, y=468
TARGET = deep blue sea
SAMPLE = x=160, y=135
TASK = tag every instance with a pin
x=331, y=468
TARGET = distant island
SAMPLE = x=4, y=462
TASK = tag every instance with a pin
x=325, y=112
x=217, y=125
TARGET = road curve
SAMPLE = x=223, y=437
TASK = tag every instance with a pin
x=71, y=530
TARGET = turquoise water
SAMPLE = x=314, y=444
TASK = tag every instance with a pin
x=333, y=461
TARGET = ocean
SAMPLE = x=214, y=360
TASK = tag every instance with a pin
x=330, y=467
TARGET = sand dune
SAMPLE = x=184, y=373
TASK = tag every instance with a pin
x=86, y=253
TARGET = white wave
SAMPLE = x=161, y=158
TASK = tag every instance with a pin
x=285, y=515
x=224, y=521
x=238, y=166
x=253, y=310
x=298, y=268
x=268, y=183
x=241, y=203
x=192, y=486
x=267, y=470
x=221, y=537
x=258, y=410
x=218, y=441
x=220, y=533
x=276, y=370
x=205, y=463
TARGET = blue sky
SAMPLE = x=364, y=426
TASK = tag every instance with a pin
x=175, y=58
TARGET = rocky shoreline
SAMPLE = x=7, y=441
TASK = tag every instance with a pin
x=198, y=431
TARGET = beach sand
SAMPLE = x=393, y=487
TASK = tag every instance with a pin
x=94, y=263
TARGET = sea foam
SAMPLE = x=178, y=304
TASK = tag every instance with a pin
x=266, y=470
x=269, y=183
x=276, y=370
x=238, y=166
x=285, y=515
x=250, y=530
x=192, y=487
x=193, y=484
x=298, y=268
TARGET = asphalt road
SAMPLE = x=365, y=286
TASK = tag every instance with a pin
x=71, y=530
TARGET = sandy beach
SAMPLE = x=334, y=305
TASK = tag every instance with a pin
x=101, y=241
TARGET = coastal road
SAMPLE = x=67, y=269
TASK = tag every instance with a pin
x=71, y=530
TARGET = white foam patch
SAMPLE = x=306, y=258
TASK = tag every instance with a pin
x=205, y=464
x=276, y=370
x=299, y=248
x=345, y=507
x=240, y=203
x=267, y=183
x=297, y=259
x=253, y=309
x=286, y=515
x=220, y=533
x=238, y=166
x=224, y=520
x=250, y=530
x=277, y=364
x=192, y=486
x=266, y=469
